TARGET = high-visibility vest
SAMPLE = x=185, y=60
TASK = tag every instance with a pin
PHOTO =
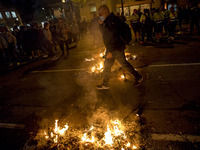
x=157, y=18
x=166, y=14
x=173, y=17
x=134, y=18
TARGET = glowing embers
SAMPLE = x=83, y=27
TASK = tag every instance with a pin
x=98, y=68
x=111, y=136
x=89, y=59
x=57, y=131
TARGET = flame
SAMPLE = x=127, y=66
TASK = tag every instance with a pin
x=134, y=147
x=128, y=144
x=86, y=139
x=122, y=76
x=51, y=134
x=56, y=126
x=86, y=59
x=46, y=136
x=98, y=68
x=101, y=55
x=62, y=131
x=108, y=137
x=134, y=56
x=115, y=129
x=56, y=139
x=93, y=69
x=91, y=128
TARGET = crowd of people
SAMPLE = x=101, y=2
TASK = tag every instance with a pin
x=35, y=42
x=156, y=23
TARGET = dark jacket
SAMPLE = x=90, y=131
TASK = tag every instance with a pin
x=111, y=31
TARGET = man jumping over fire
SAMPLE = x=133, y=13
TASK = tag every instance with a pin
x=110, y=27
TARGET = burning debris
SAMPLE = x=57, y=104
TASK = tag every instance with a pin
x=103, y=130
x=114, y=136
x=98, y=62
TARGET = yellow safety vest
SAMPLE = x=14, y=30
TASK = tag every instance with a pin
x=134, y=18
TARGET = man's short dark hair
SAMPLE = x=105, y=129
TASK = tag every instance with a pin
x=104, y=7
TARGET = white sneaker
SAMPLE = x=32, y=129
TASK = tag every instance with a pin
x=102, y=87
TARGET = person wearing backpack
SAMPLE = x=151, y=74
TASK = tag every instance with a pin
x=116, y=34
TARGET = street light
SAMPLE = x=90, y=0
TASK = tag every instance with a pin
x=63, y=10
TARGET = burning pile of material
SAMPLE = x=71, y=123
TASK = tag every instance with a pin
x=113, y=136
x=98, y=62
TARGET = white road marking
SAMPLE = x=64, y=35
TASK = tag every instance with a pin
x=12, y=126
x=175, y=137
x=172, y=65
x=61, y=70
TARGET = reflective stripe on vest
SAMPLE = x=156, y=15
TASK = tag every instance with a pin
x=135, y=18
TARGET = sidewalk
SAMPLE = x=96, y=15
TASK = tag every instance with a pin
x=25, y=60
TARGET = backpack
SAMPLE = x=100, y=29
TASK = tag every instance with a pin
x=125, y=33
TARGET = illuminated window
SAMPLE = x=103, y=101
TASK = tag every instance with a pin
x=93, y=8
x=13, y=14
x=8, y=15
x=1, y=17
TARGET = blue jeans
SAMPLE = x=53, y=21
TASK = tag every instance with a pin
x=120, y=56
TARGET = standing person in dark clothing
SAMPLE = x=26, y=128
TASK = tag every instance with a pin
x=62, y=30
x=24, y=40
x=146, y=25
x=111, y=26
x=16, y=33
x=195, y=14
x=172, y=23
x=8, y=43
x=180, y=18
x=52, y=28
x=33, y=41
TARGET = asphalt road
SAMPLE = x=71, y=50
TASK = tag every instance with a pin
x=168, y=101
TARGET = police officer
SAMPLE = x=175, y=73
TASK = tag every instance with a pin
x=158, y=20
x=165, y=13
x=146, y=25
x=172, y=23
x=135, y=25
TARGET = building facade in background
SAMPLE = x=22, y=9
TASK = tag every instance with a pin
x=91, y=6
x=9, y=17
